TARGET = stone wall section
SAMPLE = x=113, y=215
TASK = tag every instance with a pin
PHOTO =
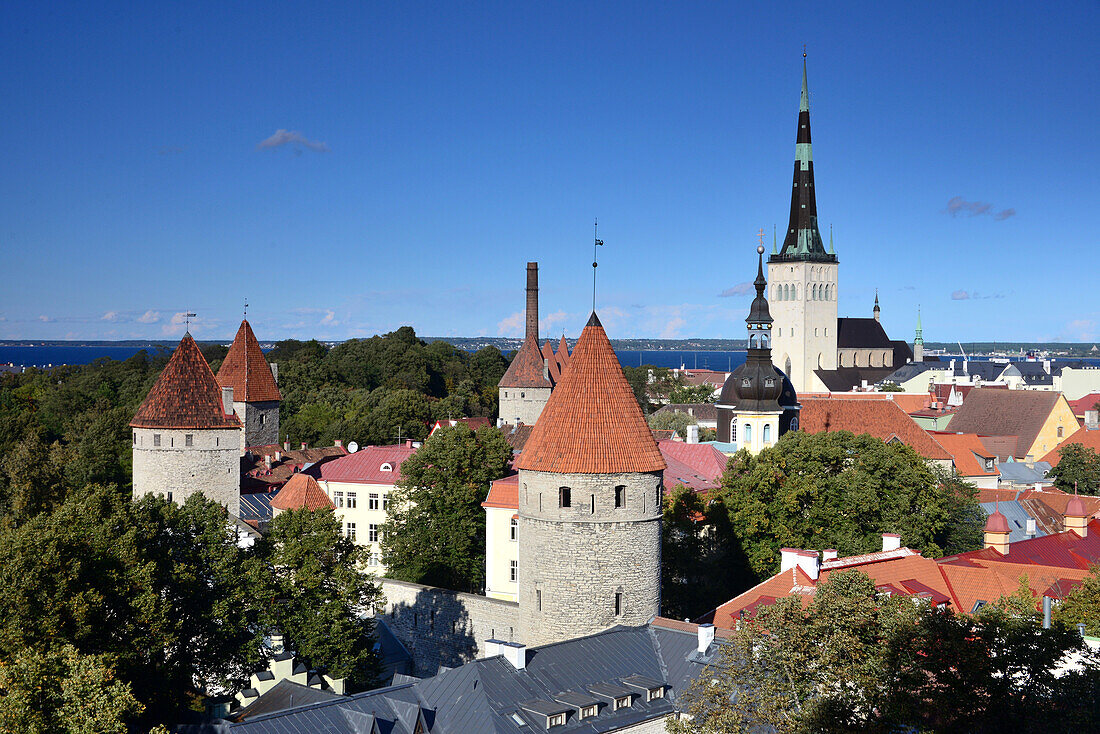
x=444, y=627
x=260, y=421
x=574, y=560
x=209, y=466
x=525, y=403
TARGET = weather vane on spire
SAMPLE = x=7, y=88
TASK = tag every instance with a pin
x=246, y=308
x=803, y=50
x=187, y=321
x=597, y=242
x=760, y=234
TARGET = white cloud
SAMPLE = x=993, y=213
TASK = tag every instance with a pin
x=672, y=328
x=959, y=296
x=741, y=289
x=330, y=318
x=512, y=325
x=291, y=137
x=149, y=317
x=45, y=319
x=110, y=316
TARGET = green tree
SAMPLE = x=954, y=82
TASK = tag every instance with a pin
x=696, y=542
x=671, y=420
x=436, y=531
x=1078, y=469
x=854, y=660
x=839, y=490
x=319, y=597
x=34, y=476
x=1082, y=605
x=63, y=692
x=692, y=394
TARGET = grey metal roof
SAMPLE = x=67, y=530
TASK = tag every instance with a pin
x=642, y=683
x=546, y=708
x=579, y=700
x=284, y=695
x=483, y=695
x=1020, y=473
x=256, y=506
x=609, y=690
x=1017, y=517
x=911, y=370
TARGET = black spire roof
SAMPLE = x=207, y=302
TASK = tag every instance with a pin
x=802, y=240
x=758, y=311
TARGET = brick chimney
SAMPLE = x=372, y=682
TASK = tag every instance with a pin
x=227, y=400
x=532, y=302
x=996, y=533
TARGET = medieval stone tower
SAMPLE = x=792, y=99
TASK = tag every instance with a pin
x=803, y=276
x=525, y=387
x=590, y=492
x=186, y=439
x=256, y=395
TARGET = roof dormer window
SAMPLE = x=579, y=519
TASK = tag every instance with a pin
x=623, y=702
x=386, y=467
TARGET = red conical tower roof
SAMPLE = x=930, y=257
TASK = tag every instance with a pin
x=592, y=423
x=186, y=395
x=301, y=491
x=245, y=369
x=527, y=368
x=997, y=523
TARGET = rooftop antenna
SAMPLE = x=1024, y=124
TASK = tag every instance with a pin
x=596, y=242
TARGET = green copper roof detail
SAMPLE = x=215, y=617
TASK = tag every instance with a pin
x=832, y=250
x=804, y=103
x=775, y=250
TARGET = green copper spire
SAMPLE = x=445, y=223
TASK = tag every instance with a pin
x=920, y=332
x=804, y=103
x=832, y=250
x=775, y=250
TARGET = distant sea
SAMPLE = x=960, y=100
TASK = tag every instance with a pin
x=48, y=356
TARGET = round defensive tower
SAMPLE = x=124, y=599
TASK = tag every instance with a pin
x=590, y=496
x=186, y=439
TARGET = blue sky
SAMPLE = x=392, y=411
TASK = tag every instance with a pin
x=354, y=167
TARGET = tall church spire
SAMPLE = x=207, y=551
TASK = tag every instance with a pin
x=802, y=240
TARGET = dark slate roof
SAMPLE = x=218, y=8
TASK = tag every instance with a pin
x=902, y=352
x=844, y=379
x=911, y=370
x=284, y=695
x=861, y=333
x=988, y=371
x=482, y=696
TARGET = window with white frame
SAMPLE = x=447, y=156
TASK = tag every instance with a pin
x=589, y=711
x=555, y=720
x=338, y=499
x=655, y=693
x=372, y=501
x=513, y=571
x=622, y=703
x=372, y=533
x=513, y=528
x=352, y=502
x=385, y=502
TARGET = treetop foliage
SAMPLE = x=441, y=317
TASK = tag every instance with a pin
x=1077, y=470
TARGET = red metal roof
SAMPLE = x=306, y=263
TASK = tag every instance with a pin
x=592, y=423
x=368, y=465
x=245, y=369
x=698, y=466
x=186, y=395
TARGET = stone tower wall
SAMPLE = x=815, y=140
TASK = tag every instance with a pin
x=211, y=465
x=525, y=403
x=581, y=556
x=804, y=328
x=260, y=421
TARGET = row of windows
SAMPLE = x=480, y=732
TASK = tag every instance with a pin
x=791, y=291
x=188, y=440
x=351, y=500
x=372, y=533
x=565, y=499
x=766, y=433
x=522, y=394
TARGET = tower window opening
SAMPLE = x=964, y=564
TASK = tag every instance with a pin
x=620, y=496
x=564, y=498
x=618, y=603
x=733, y=430
x=538, y=599
x=764, y=341
x=156, y=439
x=593, y=504
x=767, y=436
x=189, y=439
x=513, y=529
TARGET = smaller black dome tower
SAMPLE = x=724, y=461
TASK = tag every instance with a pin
x=757, y=386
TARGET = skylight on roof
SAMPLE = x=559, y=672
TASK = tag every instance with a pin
x=518, y=719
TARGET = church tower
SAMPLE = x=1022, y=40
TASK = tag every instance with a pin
x=256, y=395
x=803, y=276
x=918, y=341
x=590, y=491
x=186, y=439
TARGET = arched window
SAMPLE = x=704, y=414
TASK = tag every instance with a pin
x=767, y=435
x=748, y=434
x=564, y=498
x=826, y=292
x=764, y=341
x=753, y=341
x=787, y=365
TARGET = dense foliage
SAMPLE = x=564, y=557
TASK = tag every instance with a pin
x=1077, y=470
x=435, y=534
x=854, y=660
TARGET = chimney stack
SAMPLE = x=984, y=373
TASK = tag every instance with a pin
x=532, y=302
x=514, y=653
x=891, y=541
x=227, y=400
x=706, y=636
x=338, y=443
x=1092, y=420
x=829, y=554
x=693, y=434
x=303, y=445
x=807, y=560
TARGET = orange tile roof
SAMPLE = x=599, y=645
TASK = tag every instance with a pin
x=592, y=423
x=504, y=492
x=883, y=419
x=965, y=448
x=780, y=586
x=910, y=402
x=1082, y=436
x=527, y=368
x=186, y=395
x=245, y=369
x=301, y=491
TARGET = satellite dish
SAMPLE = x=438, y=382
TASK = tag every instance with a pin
x=353, y=447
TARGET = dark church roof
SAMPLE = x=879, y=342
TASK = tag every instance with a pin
x=843, y=379
x=861, y=333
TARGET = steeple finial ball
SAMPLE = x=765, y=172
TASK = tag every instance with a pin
x=759, y=249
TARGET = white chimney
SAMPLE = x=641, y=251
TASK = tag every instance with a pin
x=890, y=541
x=546, y=369
x=1031, y=527
x=278, y=456
x=693, y=434
x=267, y=461
x=829, y=554
x=788, y=559
x=338, y=443
x=275, y=371
x=706, y=636
x=1092, y=420
x=492, y=647
x=227, y=400
x=515, y=653
x=807, y=560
